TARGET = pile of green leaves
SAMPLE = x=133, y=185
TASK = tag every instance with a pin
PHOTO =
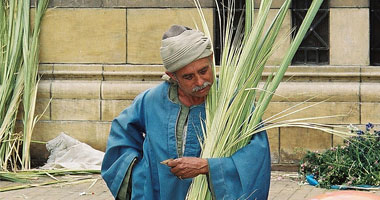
x=352, y=164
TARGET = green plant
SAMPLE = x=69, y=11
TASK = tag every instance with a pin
x=18, y=79
x=230, y=122
x=31, y=61
x=354, y=163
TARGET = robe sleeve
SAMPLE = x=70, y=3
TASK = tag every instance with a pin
x=125, y=143
x=245, y=174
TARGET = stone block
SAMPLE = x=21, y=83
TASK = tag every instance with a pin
x=349, y=3
x=121, y=90
x=43, y=90
x=370, y=92
x=75, y=109
x=83, y=36
x=112, y=108
x=94, y=134
x=155, y=3
x=349, y=36
x=75, y=89
x=144, y=36
x=370, y=112
x=42, y=109
x=316, y=112
x=338, y=141
x=78, y=71
x=283, y=38
x=294, y=142
x=317, y=92
x=274, y=142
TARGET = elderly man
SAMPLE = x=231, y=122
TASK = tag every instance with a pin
x=165, y=123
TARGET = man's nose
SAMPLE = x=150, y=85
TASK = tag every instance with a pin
x=199, y=81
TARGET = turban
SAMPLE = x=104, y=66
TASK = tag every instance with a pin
x=182, y=45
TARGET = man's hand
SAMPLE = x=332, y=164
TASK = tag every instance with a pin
x=188, y=167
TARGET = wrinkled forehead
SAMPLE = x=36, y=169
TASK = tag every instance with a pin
x=196, y=66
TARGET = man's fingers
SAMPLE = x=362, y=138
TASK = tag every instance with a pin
x=176, y=169
x=187, y=167
x=166, y=162
x=174, y=162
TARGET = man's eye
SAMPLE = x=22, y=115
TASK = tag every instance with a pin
x=203, y=72
x=188, y=77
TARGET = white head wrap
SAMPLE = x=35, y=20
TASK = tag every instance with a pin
x=182, y=45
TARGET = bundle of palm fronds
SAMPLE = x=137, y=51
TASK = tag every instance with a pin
x=235, y=105
x=19, y=56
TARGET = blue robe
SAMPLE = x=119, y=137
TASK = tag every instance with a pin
x=145, y=132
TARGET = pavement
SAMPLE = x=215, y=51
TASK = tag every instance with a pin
x=284, y=186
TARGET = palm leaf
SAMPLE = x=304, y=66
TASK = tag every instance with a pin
x=230, y=122
x=18, y=78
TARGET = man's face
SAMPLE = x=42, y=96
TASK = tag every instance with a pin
x=196, y=78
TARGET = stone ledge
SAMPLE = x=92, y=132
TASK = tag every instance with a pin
x=370, y=92
x=156, y=4
x=125, y=3
x=44, y=89
x=78, y=71
x=75, y=89
x=133, y=72
x=154, y=72
x=144, y=3
x=370, y=73
x=179, y=3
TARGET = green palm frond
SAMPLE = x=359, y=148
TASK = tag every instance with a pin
x=230, y=122
x=19, y=56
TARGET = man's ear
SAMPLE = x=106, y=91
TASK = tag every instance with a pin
x=171, y=75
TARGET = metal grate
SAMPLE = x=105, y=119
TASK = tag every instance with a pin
x=314, y=49
x=220, y=25
x=375, y=32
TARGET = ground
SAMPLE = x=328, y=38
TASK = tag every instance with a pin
x=284, y=186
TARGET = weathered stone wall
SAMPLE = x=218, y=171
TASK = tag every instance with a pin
x=98, y=55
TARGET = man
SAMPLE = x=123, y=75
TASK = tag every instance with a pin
x=165, y=123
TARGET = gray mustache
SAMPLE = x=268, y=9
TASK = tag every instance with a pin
x=197, y=88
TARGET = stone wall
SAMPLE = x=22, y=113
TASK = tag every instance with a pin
x=98, y=55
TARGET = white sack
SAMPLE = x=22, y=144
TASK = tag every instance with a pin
x=67, y=152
